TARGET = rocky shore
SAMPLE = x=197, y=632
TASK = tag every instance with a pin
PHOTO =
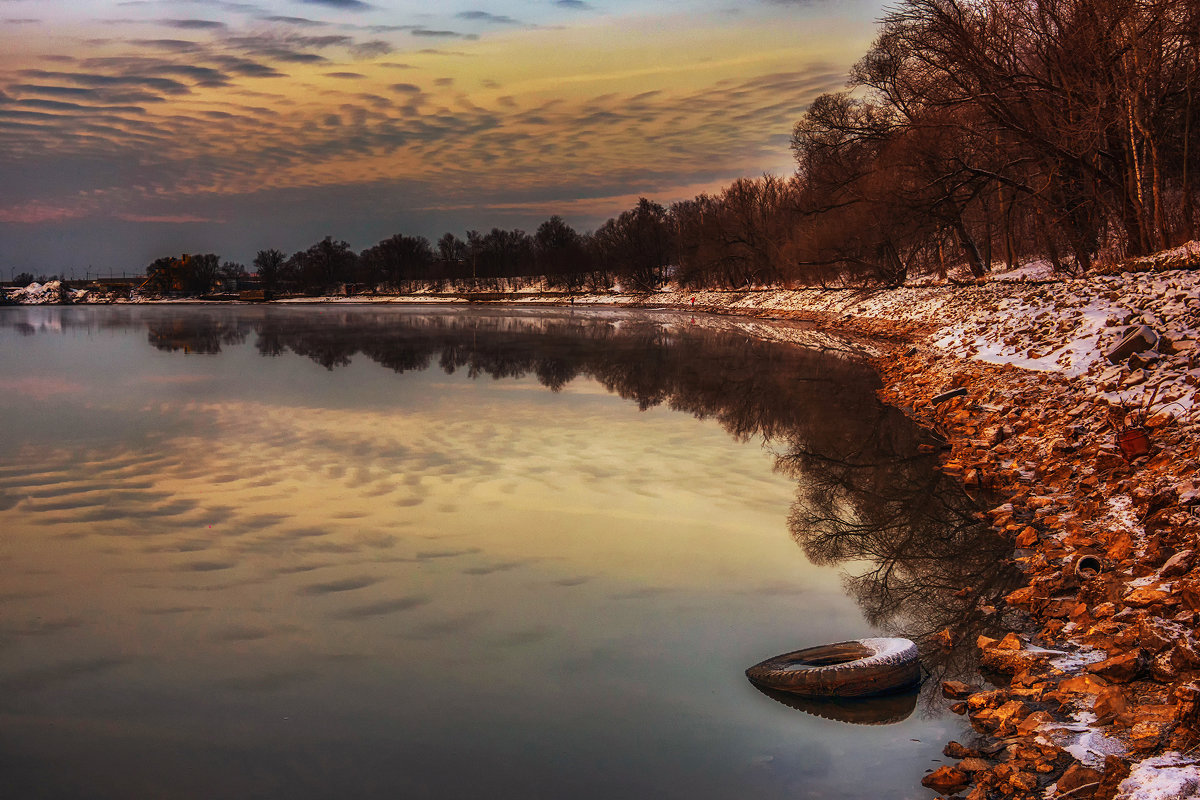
x=1072, y=402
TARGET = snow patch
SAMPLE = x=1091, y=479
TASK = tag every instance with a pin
x=1169, y=776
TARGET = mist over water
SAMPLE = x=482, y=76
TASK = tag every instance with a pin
x=358, y=552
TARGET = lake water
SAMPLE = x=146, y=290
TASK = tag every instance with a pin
x=330, y=551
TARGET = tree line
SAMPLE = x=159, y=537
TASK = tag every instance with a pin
x=972, y=132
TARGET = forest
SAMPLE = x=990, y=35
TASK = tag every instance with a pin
x=973, y=132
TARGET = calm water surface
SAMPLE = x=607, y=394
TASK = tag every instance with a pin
x=325, y=552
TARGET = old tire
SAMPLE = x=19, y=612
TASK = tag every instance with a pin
x=858, y=668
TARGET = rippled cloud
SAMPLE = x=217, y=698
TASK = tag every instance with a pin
x=169, y=112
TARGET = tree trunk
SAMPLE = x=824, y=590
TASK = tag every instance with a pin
x=974, y=259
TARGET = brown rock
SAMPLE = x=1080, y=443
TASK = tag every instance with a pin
x=1163, y=668
x=1021, y=597
x=1110, y=703
x=1077, y=775
x=1082, y=684
x=956, y=690
x=1121, y=547
x=1023, y=781
x=1115, y=771
x=1031, y=723
x=1176, y=565
x=1121, y=668
x=989, y=699
x=946, y=780
x=1146, y=736
x=1154, y=636
x=1010, y=642
x=956, y=750
x=1027, y=537
x=1006, y=717
x=1144, y=596
x=973, y=765
x=1155, y=712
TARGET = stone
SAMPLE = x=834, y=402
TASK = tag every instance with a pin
x=1083, y=684
x=989, y=699
x=956, y=750
x=1144, y=596
x=1146, y=736
x=1121, y=668
x=1010, y=662
x=973, y=765
x=1010, y=642
x=1110, y=704
x=1028, y=537
x=946, y=780
x=1031, y=723
x=956, y=690
x=1154, y=636
x=1176, y=565
x=1115, y=771
x=1076, y=776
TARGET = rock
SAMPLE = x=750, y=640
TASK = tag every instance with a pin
x=1031, y=723
x=1110, y=704
x=956, y=690
x=1144, y=596
x=1146, y=736
x=1028, y=537
x=1144, y=359
x=1077, y=775
x=989, y=699
x=1010, y=642
x=1153, y=635
x=1121, y=668
x=1176, y=565
x=946, y=780
x=956, y=750
x=1010, y=662
x=1163, y=668
x=1000, y=721
x=1083, y=684
x=973, y=765
x=1115, y=771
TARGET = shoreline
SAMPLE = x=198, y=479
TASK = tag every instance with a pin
x=1097, y=694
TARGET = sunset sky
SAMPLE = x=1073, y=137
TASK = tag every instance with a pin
x=130, y=130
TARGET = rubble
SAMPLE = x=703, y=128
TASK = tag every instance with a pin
x=1099, y=697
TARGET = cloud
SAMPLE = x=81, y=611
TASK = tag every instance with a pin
x=300, y=21
x=382, y=608
x=371, y=49
x=443, y=34
x=345, y=75
x=352, y=5
x=484, y=16
x=575, y=5
x=193, y=24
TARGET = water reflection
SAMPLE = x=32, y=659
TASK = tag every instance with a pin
x=437, y=579
x=883, y=710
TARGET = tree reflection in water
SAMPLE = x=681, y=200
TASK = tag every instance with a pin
x=919, y=561
x=917, y=558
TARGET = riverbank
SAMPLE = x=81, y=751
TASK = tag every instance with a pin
x=1096, y=694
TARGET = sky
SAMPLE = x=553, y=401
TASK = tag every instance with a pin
x=135, y=129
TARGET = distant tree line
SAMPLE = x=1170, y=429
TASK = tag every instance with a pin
x=972, y=132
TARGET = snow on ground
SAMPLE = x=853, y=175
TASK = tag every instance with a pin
x=1086, y=743
x=1169, y=776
